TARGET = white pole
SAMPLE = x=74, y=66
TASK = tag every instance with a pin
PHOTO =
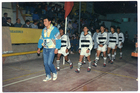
x=65, y=33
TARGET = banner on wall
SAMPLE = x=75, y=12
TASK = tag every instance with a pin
x=24, y=35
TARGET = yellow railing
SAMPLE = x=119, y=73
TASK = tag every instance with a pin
x=20, y=53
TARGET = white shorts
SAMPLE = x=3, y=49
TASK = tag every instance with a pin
x=112, y=46
x=102, y=49
x=83, y=52
x=63, y=51
x=119, y=45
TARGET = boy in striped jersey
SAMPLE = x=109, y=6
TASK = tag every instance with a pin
x=112, y=43
x=65, y=46
x=121, y=41
x=85, y=46
x=84, y=59
x=95, y=41
x=102, y=45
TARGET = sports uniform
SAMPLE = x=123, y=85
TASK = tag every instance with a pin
x=112, y=42
x=121, y=40
x=65, y=44
x=84, y=59
x=85, y=43
x=101, y=40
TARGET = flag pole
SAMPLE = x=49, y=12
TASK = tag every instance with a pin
x=65, y=33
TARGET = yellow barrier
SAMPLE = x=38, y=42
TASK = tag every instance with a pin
x=24, y=35
x=20, y=53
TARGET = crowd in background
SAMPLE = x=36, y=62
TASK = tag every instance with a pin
x=56, y=12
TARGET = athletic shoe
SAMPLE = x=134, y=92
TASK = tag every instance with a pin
x=104, y=65
x=71, y=52
x=94, y=64
x=71, y=65
x=83, y=63
x=77, y=71
x=54, y=76
x=120, y=57
x=111, y=62
x=88, y=69
x=47, y=79
x=57, y=69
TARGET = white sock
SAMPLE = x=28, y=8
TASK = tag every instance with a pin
x=105, y=60
x=96, y=60
x=120, y=54
x=112, y=57
x=79, y=65
x=57, y=62
x=109, y=56
x=89, y=64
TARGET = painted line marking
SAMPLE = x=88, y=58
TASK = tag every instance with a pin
x=27, y=79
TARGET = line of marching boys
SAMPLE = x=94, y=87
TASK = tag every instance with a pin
x=102, y=40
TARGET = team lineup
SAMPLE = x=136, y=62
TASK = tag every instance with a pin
x=54, y=41
x=102, y=41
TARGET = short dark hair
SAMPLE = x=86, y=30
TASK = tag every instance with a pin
x=49, y=19
x=118, y=27
x=102, y=26
x=62, y=29
x=27, y=21
x=17, y=19
x=86, y=26
x=112, y=27
x=5, y=13
x=8, y=18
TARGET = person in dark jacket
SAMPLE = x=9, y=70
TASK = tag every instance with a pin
x=9, y=22
x=27, y=24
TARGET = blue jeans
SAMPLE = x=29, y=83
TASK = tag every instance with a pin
x=48, y=55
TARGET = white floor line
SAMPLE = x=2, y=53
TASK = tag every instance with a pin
x=28, y=79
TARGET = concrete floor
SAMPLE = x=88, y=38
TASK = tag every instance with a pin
x=27, y=76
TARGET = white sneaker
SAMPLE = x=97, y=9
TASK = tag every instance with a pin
x=47, y=79
x=55, y=76
x=72, y=52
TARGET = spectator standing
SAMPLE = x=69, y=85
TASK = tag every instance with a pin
x=77, y=43
x=51, y=13
x=68, y=33
x=39, y=11
x=17, y=24
x=34, y=25
x=4, y=19
x=27, y=24
x=49, y=7
x=9, y=22
x=74, y=25
x=35, y=16
x=72, y=45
